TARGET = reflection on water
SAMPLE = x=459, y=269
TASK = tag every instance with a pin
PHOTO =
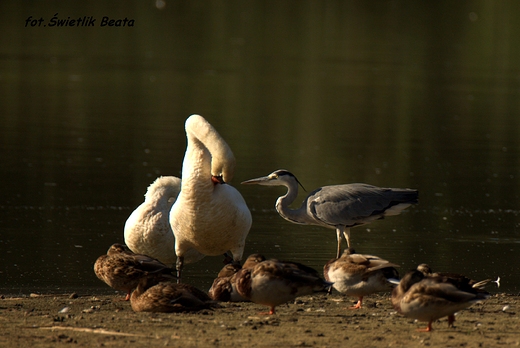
x=389, y=93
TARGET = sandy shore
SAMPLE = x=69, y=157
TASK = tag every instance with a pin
x=317, y=321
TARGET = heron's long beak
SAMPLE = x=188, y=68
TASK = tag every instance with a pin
x=258, y=181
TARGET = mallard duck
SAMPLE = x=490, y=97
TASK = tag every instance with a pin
x=252, y=260
x=428, y=298
x=154, y=295
x=148, y=230
x=273, y=282
x=209, y=215
x=121, y=269
x=224, y=286
x=459, y=280
x=359, y=275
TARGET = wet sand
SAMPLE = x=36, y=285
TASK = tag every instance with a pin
x=312, y=321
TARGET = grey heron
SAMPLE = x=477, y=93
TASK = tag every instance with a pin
x=339, y=207
x=209, y=215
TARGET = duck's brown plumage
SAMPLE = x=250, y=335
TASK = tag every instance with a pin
x=154, y=295
x=224, y=286
x=121, y=269
x=459, y=280
x=273, y=282
x=428, y=298
x=360, y=275
x=252, y=260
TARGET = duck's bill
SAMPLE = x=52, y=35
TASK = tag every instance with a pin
x=393, y=281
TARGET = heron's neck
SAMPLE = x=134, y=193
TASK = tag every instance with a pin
x=283, y=203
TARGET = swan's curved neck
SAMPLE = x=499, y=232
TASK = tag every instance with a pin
x=196, y=167
x=163, y=191
x=217, y=156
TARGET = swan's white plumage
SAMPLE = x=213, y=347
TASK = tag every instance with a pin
x=148, y=231
x=210, y=217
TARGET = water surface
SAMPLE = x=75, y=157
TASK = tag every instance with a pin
x=390, y=93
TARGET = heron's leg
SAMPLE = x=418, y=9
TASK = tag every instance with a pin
x=346, y=233
x=339, y=230
x=178, y=265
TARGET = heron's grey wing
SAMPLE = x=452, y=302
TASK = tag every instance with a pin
x=355, y=204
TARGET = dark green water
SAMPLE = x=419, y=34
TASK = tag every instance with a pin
x=391, y=93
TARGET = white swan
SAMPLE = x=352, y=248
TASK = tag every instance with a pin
x=148, y=231
x=209, y=215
